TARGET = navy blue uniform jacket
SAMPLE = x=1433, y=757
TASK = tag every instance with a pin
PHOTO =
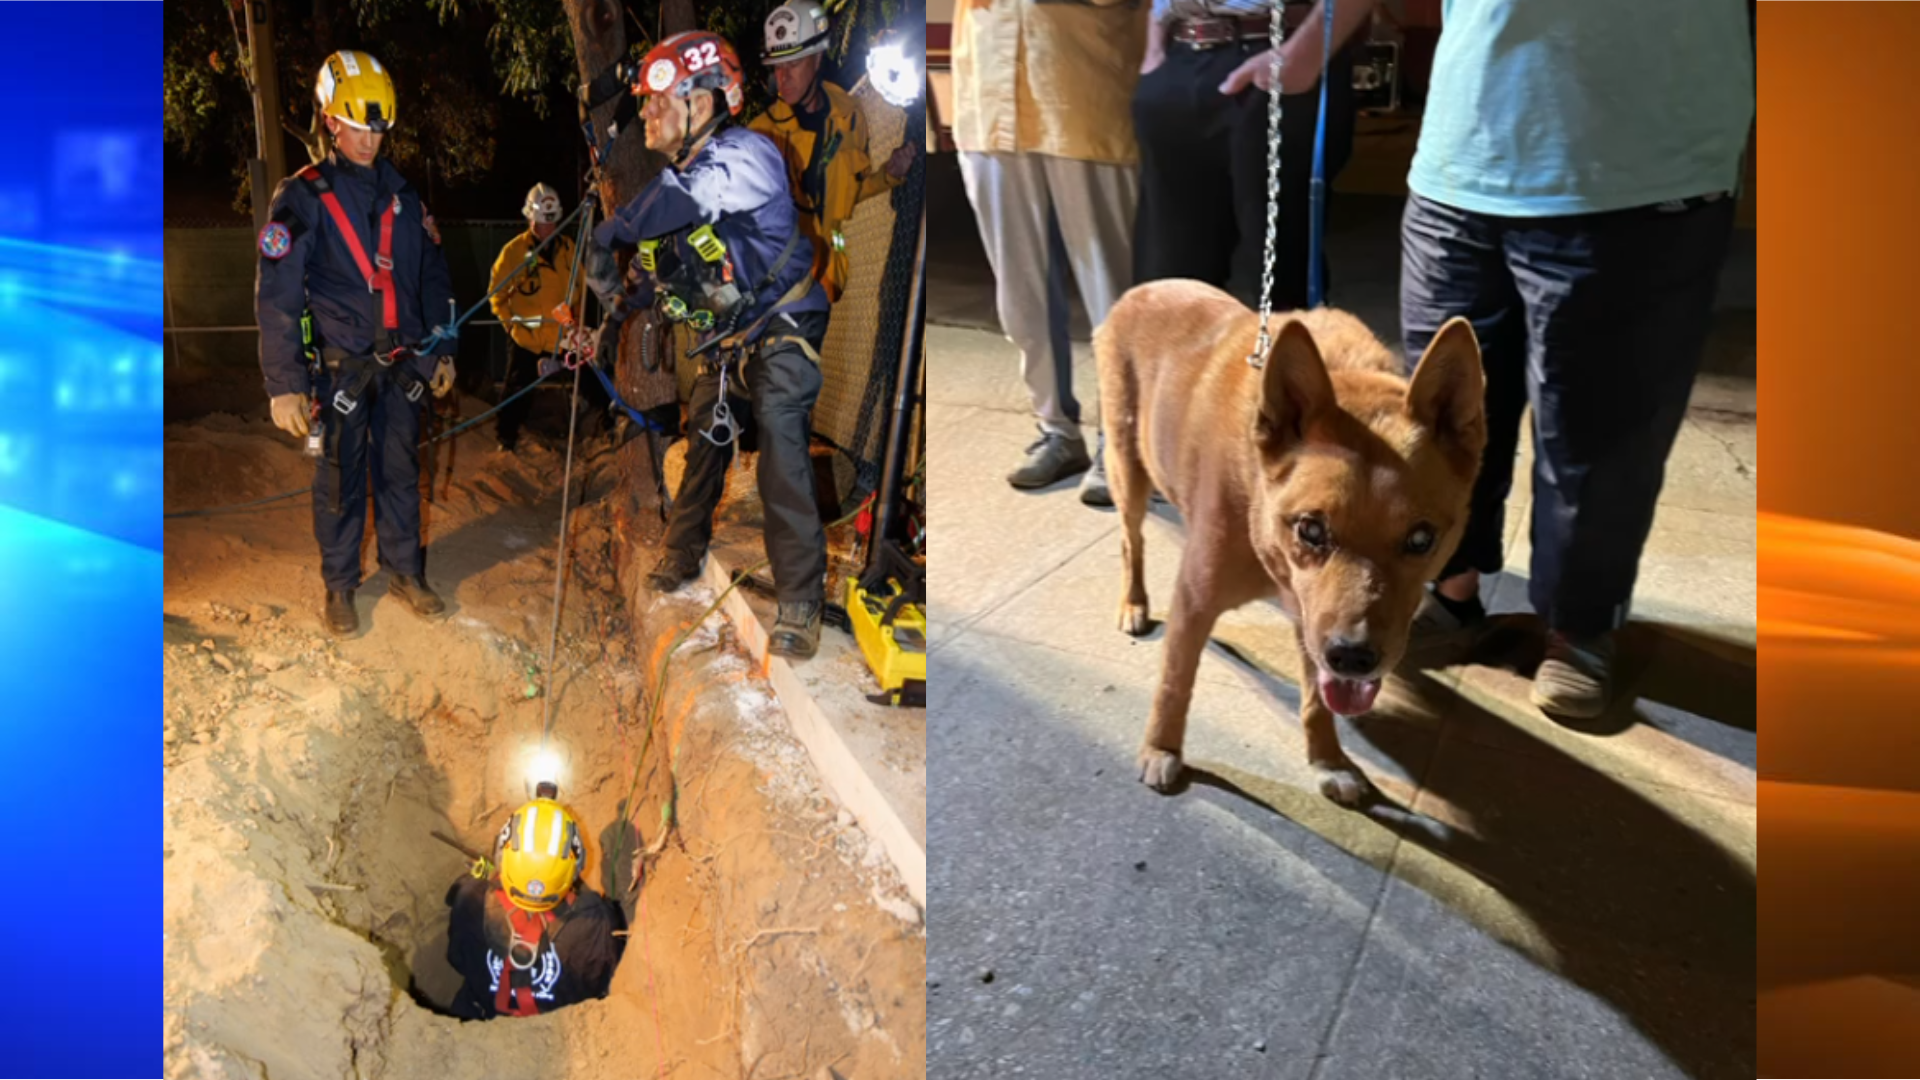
x=315, y=269
x=737, y=183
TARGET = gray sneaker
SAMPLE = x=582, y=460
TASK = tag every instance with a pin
x=1093, y=486
x=1052, y=457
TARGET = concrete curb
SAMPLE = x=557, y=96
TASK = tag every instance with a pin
x=829, y=751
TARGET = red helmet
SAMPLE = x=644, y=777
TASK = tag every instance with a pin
x=689, y=61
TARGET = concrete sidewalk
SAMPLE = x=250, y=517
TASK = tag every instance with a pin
x=1553, y=902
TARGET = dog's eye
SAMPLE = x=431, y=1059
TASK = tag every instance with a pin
x=1420, y=540
x=1312, y=532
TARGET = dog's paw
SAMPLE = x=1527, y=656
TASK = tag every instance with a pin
x=1133, y=619
x=1344, y=783
x=1159, y=769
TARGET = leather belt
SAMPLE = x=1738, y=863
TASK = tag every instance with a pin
x=1213, y=31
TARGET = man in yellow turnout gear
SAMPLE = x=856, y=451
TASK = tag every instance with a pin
x=525, y=935
x=528, y=307
x=822, y=136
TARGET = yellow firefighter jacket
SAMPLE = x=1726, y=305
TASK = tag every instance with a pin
x=537, y=291
x=829, y=172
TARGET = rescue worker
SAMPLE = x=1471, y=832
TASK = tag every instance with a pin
x=720, y=248
x=818, y=128
x=349, y=241
x=527, y=308
x=525, y=935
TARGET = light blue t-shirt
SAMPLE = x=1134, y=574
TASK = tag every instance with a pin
x=1546, y=107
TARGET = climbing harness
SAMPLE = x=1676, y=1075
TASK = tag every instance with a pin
x=527, y=960
x=1317, y=192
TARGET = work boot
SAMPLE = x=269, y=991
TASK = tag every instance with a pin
x=796, y=631
x=415, y=592
x=1093, y=486
x=1052, y=457
x=1576, y=679
x=341, y=618
x=672, y=571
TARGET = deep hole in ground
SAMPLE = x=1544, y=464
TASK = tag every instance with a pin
x=306, y=779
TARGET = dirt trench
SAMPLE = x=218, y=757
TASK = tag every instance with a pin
x=306, y=780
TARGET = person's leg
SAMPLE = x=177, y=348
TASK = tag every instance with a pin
x=1184, y=224
x=702, y=483
x=785, y=384
x=1618, y=310
x=521, y=370
x=1451, y=266
x=340, y=503
x=1023, y=244
x=1095, y=204
x=395, y=445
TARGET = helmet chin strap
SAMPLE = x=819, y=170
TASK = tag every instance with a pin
x=690, y=137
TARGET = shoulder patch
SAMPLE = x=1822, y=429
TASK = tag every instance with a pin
x=426, y=222
x=275, y=241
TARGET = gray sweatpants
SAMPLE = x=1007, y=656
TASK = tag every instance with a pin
x=1038, y=215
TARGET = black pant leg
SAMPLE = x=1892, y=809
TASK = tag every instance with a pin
x=340, y=478
x=1451, y=265
x=1299, y=118
x=1184, y=224
x=785, y=385
x=522, y=369
x=704, y=481
x=1619, y=306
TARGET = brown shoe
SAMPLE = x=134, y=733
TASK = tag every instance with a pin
x=796, y=630
x=415, y=592
x=1576, y=678
x=341, y=618
x=672, y=571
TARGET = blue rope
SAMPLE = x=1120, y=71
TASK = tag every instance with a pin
x=1317, y=192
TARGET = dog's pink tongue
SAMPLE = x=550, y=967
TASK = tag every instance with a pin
x=1348, y=697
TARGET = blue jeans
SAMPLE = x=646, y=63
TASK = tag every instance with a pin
x=1599, y=322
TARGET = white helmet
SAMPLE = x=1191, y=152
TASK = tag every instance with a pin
x=543, y=205
x=795, y=29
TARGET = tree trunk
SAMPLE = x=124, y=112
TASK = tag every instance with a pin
x=600, y=38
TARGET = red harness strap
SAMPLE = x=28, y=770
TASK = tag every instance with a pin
x=515, y=994
x=379, y=272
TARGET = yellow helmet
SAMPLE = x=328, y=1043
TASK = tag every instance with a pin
x=356, y=89
x=539, y=854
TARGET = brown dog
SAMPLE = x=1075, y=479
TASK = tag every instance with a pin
x=1323, y=476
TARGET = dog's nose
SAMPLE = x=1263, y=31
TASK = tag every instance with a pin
x=1351, y=658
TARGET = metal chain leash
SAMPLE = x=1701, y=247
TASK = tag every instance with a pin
x=1275, y=37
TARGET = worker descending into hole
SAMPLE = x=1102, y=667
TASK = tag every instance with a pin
x=719, y=247
x=823, y=137
x=349, y=241
x=531, y=309
x=525, y=935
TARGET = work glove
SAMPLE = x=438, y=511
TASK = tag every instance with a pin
x=290, y=414
x=443, y=377
x=549, y=366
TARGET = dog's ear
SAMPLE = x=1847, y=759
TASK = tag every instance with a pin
x=1294, y=388
x=1449, y=389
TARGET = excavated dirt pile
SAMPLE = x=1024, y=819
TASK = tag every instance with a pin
x=307, y=778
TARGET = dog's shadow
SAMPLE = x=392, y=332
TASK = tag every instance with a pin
x=1621, y=895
